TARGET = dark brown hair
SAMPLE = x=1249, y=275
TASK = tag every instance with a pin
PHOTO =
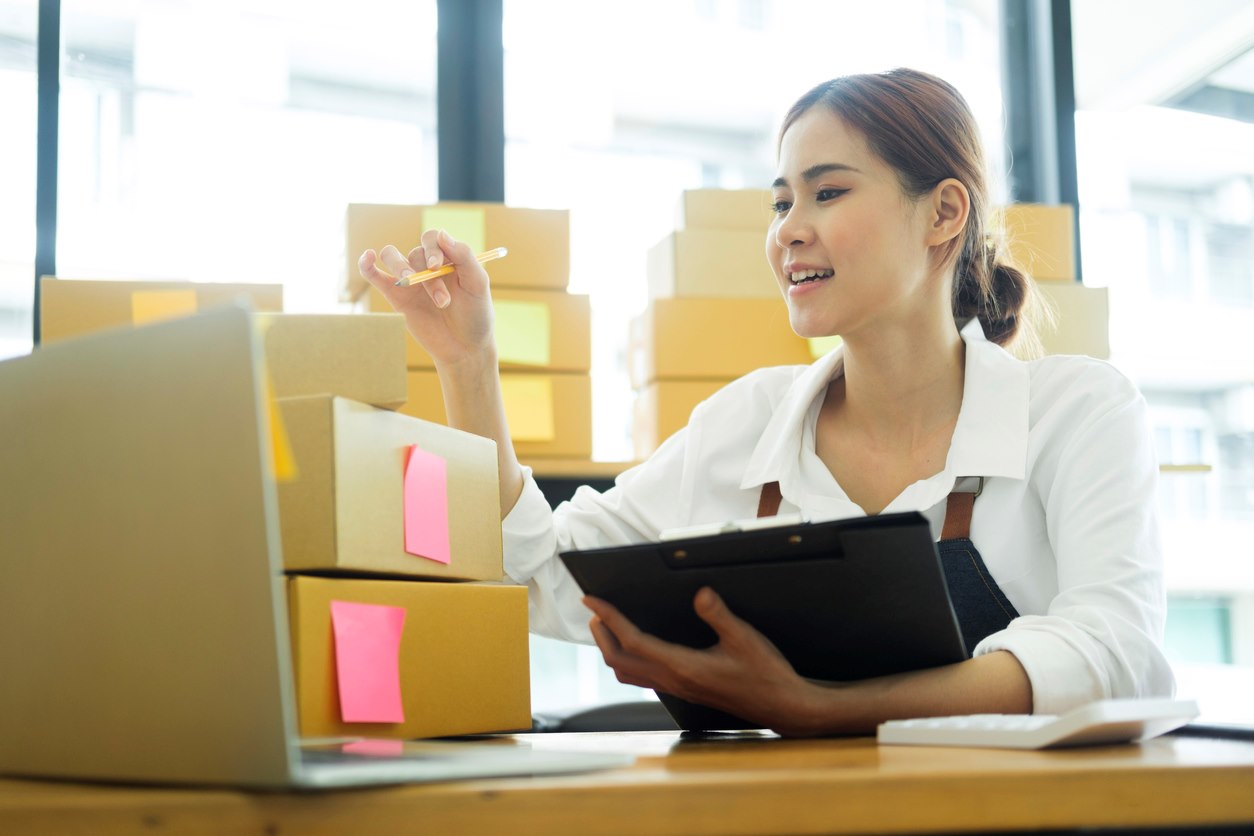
x=922, y=127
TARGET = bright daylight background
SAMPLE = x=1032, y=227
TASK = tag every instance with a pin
x=221, y=141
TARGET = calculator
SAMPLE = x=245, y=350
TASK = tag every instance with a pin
x=1104, y=721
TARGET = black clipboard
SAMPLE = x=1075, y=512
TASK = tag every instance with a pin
x=842, y=600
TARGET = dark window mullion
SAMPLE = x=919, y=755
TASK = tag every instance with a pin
x=470, y=100
x=46, y=144
x=1038, y=86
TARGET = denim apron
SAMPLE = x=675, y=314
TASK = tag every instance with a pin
x=980, y=605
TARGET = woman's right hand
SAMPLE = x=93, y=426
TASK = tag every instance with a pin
x=450, y=316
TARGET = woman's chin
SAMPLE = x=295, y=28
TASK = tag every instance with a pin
x=808, y=329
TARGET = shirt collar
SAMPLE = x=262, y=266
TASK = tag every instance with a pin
x=990, y=438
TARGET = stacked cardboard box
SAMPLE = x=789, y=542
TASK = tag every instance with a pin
x=390, y=529
x=543, y=332
x=715, y=312
x=1041, y=240
x=73, y=307
x=389, y=525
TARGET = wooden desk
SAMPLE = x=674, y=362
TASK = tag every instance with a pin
x=765, y=785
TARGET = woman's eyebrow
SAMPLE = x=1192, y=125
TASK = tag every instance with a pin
x=816, y=171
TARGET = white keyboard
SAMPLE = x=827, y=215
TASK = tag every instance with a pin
x=1106, y=721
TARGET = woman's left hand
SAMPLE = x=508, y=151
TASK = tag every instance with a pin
x=743, y=673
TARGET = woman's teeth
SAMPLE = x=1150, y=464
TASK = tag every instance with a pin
x=808, y=276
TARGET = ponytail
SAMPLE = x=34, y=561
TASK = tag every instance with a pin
x=992, y=289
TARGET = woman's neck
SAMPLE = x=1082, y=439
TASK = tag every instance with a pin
x=901, y=387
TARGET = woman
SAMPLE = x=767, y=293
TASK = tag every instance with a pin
x=879, y=236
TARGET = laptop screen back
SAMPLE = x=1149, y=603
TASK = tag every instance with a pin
x=141, y=621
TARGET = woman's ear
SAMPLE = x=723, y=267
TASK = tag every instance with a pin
x=949, y=205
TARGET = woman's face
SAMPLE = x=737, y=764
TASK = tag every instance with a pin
x=847, y=246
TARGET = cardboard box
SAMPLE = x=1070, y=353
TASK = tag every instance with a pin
x=354, y=356
x=711, y=263
x=548, y=414
x=1041, y=240
x=344, y=511
x=462, y=665
x=538, y=240
x=73, y=307
x=1082, y=319
x=744, y=209
x=711, y=339
x=663, y=407
x=548, y=330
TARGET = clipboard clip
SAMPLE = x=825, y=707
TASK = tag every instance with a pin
x=713, y=529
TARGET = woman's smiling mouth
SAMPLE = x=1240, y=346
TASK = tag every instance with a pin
x=803, y=276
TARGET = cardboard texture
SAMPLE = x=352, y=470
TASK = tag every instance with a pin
x=711, y=339
x=74, y=307
x=663, y=407
x=345, y=510
x=711, y=263
x=569, y=406
x=568, y=337
x=354, y=356
x=538, y=240
x=463, y=659
x=744, y=209
x=1041, y=240
x=1082, y=319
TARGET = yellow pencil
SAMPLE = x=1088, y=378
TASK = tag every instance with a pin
x=444, y=270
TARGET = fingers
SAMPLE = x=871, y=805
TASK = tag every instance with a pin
x=636, y=657
x=435, y=288
x=368, y=266
x=626, y=668
x=392, y=261
x=713, y=611
x=630, y=637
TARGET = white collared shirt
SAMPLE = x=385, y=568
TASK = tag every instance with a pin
x=1065, y=524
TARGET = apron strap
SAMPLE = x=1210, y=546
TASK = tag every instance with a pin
x=768, y=502
x=958, y=507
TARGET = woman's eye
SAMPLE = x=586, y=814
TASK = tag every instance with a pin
x=829, y=194
x=779, y=207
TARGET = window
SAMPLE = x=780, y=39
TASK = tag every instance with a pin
x=18, y=30
x=1169, y=257
x=1230, y=256
x=222, y=141
x=1171, y=233
x=611, y=110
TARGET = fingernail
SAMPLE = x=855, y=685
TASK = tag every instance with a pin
x=433, y=261
x=405, y=273
x=441, y=299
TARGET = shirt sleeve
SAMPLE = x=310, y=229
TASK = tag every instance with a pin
x=644, y=501
x=1101, y=636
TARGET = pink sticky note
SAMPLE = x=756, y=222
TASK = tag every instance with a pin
x=426, y=505
x=367, y=661
x=375, y=746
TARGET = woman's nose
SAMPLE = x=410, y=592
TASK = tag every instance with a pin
x=792, y=231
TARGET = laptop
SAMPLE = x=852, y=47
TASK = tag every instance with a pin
x=842, y=600
x=143, y=623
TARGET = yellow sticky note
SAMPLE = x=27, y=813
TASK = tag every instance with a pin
x=280, y=444
x=156, y=305
x=528, y=406
x=522, y=332
x=821, y=345
x=463, y=223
